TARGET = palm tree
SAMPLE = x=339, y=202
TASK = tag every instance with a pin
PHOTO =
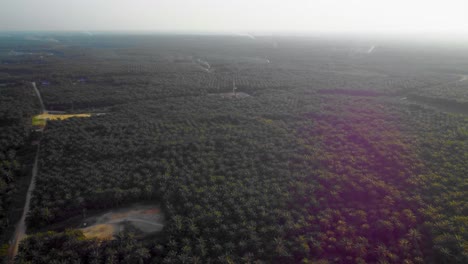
x=247, y=258
x=404, y=245
x=414, y=235
x=382, y=251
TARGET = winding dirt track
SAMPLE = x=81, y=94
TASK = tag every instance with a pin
x=20, y=230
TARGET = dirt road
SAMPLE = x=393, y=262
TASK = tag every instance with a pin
x=39, y=97
x=20, y=231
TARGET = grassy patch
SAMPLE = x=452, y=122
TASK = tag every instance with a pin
x=40, y=120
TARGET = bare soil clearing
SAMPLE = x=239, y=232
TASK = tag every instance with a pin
x=144, y=219
x=40, y=120
x=463, y=78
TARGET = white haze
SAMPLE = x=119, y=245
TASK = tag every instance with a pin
x=436, y=17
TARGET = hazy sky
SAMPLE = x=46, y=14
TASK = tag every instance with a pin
x=394, y=16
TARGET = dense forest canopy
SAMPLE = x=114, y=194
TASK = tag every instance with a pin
x=266, y=150
x=17, y=105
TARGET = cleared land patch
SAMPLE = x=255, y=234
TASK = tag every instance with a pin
x=143, y=220
x=463, y=78
x=41, y=120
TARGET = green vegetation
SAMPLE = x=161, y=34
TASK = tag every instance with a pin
x=36, y=121
x=72, y=247
x=442, y=143
x=17, y=105
x=331, y=159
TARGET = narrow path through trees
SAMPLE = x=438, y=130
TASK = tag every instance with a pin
x=20, y=231
x=43, y=111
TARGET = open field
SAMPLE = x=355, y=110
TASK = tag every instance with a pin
x=41, y=120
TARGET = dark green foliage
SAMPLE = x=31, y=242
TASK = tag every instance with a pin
x=329, y=160
x=221, y=176
x=17, y=105
x=72, y=247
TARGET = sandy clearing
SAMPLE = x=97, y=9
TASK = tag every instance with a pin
x=147, y=219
